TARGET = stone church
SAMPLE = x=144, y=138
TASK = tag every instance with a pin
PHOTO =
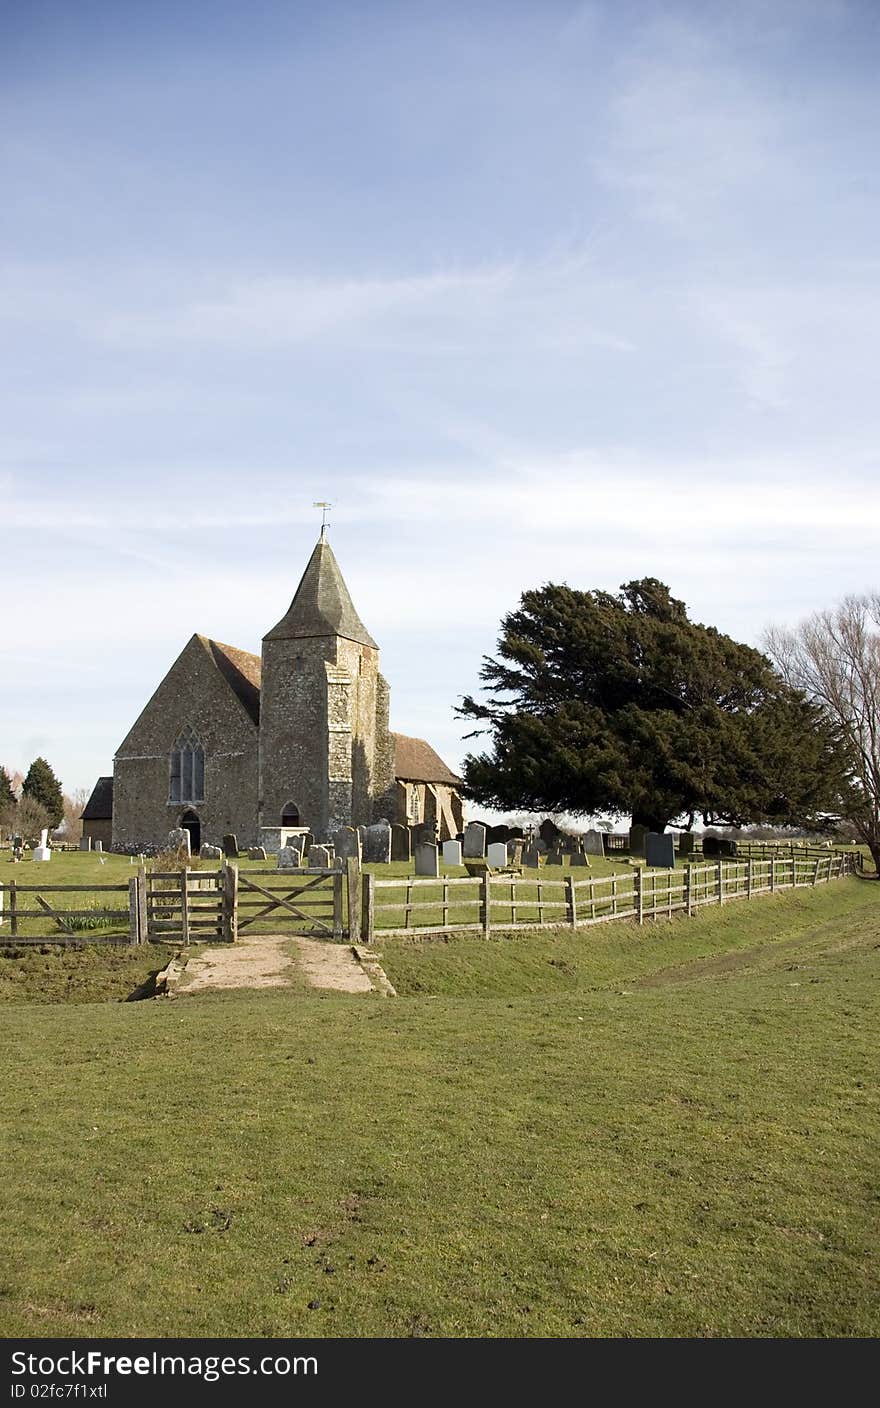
x=298, y=737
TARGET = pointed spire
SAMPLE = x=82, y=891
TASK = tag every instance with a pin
x=321, y=605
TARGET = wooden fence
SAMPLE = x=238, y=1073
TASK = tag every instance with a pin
x=27, y=916
x=503, y=902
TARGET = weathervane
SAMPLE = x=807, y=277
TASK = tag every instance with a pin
x=323, y=506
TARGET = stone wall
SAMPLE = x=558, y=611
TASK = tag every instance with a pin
x=195, y=695
x=99, y=831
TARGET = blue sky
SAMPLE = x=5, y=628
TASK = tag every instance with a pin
x=530, y=292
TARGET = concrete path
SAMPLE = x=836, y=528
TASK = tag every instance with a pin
x=262, y=961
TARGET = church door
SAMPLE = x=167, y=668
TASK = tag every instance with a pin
x=190, y=822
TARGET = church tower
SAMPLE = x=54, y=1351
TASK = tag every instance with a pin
x=325, y=749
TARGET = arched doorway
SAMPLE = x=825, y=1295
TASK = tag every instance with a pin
x=190, y=822
x=290, y=815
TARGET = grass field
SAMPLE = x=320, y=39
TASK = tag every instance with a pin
x=666, y=1131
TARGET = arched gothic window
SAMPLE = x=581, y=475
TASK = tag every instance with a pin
x=290, y=815
x=187, y=768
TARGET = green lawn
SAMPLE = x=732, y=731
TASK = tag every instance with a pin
x=666, y=1131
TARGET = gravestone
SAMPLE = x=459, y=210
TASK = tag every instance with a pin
x=548, y=832
x=497, y=833
x=401, y=845
x=726, y=848
x=474, y=840
x=427, y=859
x=711, y=846
x=208, y=852
x=288, y=858
x=230, y=846
x=348, y=844
x=257, y=853
x=41, y=853
x=496, y=854
x=686, y=843
x=556, y=856
x=99, y=845
x=593, y=843
x=85, y=843
x=377, y=844
x=177, y=838
x=319, y=858
x=660, y=850
x=532, y=857
x=452, y=853
x=580, y=858
x=515, y=851
x=637, y=836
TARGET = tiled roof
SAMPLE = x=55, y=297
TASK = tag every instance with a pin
x=416, y=761
x=241, y=671
x=322, y=605
x=99, y=807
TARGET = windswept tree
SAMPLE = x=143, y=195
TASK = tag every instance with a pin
x=621, y=704
x=833, y=657
x=42, y=786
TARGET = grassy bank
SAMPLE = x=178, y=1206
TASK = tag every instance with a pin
x=616, y=1147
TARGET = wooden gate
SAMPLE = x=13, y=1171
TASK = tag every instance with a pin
x=184, y=906
x=302, y=902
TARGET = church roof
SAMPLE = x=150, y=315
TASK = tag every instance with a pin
x=416, y=761
x=241, y=671
x=321, y=605
x=99, y=807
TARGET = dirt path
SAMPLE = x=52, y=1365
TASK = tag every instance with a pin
x=265, y=961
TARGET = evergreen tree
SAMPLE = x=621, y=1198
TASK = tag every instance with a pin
x=42, y=786
x=622, y=704
x=7, y=799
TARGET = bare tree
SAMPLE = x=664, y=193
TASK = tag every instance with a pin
x=834, y=657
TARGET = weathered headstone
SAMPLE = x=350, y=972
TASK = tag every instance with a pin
x=85, y=843
x=497, y=833
x=660, y=849
x=556, y=855
x=452, y=853
x=686, y=843
x=593, y=843
x=99, y=845
x=496, y=854
x=230, y=846
x=531, y=857
x=711, y=846
x=474, y=840
x=726, y=847
x=288, y=858
x=637, y=836
x=377, y=844
x=401, y=845
x=319, y=858
x=580, y=858
x=348, y=843
x=515, y=848
x=208, y=852
x=548, y=832
x=41, y=853
x=257, y=853
x=177, y=838
x=427, y=859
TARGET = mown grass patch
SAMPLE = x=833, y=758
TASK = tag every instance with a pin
x=695, y=1158
x=78, y=973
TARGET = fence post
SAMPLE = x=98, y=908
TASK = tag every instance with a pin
x=368, y=895
x=143, y=922
x=688, y=904
x=637, y=894
x=720, y=881
x=750, y=875
x=572, y=901
x=772, y=874
x=486, y=897
x=230, y=902
x=133, y=911
x=353, y=886
x=184, y=905
x=338, y=928
x=816, y=874
x=13, y=918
